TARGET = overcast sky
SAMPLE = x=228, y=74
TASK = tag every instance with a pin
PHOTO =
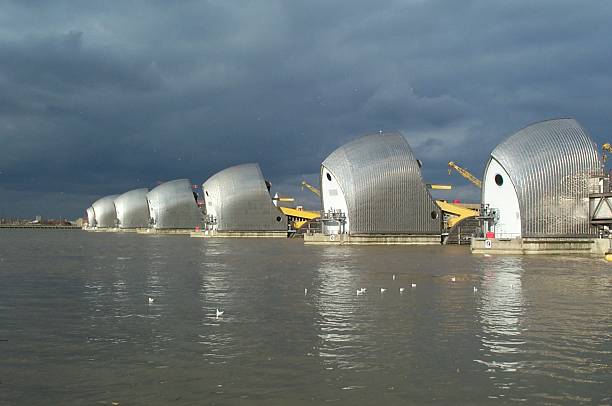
x=103, y=97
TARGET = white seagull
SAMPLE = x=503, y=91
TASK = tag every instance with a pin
x=475, y=289
x=401, y=290
x=305, y=291
x=219, y=313
x=151, y=300
x=453, y=279
x=359, y=292
x=383, y=290
x=414, y=285
x=393, y=277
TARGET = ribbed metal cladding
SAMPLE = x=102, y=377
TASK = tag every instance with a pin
x=241, y=201
x=549, y=164
x=173, y=206
x=91, y=218
x=381, y=181
x=132, y=209
x=104, y=212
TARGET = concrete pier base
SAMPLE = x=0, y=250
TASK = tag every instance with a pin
x=168, y=231
x=238, y=234
x=372, y=239
x=541, y=246
x=130, y=230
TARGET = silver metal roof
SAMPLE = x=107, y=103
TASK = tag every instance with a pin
x=172, y=205
x=104, y=212
x=549, y=164
x=91, y=218
x=381, y=181
x=132, y=209
x=240, y=200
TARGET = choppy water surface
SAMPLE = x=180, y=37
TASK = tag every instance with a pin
x=79, y=330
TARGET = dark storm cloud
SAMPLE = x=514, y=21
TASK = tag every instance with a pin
x=102, y=98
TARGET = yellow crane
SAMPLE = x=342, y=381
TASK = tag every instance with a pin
x=465, y=173
x=311, y=188
x=605, y=148
x=299, y=217
x=457, y=213
x=433, y=186
x=283, y=198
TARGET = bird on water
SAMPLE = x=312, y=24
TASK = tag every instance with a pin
x=151, y=300
x=219, y=313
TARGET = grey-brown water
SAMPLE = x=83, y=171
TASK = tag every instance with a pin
x=79, y=329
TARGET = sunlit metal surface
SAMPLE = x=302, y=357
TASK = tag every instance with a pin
x=237, y=197
x=550, y=164
x=381, y=181
x=104, y=212
x=172, y=205
x=91, y=219
x=133, y=209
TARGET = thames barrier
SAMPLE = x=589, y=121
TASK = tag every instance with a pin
x=544, y=191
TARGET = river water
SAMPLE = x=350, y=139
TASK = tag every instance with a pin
x=77, y=327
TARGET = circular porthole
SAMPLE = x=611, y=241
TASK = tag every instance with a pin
x=434, y=215
x=278, y=218
x=329, y=177
x=499, y=180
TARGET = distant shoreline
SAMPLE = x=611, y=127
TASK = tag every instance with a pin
x=39, y=226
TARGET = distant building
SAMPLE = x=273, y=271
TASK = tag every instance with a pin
x=237, y=199
x=172, y=205
x=536, y=182
x=133, y=209
x=373, y=186
x=104, y=212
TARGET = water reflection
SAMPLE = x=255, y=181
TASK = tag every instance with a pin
x=502, y=305
x=537, y=329
x=157, y=264
x=340, y=335
x=501, y=309
x=215, y=292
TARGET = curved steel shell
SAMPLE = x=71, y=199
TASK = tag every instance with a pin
x=91, y=219
x=104, y=212
x=239, y=200
x=550, y=164
x=132, y=209
x=173, y=206
x=381, y=181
